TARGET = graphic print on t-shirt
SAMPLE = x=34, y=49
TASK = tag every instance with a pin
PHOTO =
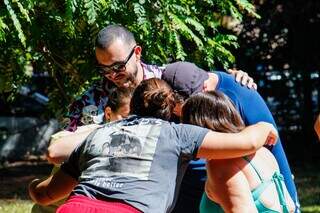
x=122, y=150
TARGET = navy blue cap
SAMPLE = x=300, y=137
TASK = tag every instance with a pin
x=185, y=77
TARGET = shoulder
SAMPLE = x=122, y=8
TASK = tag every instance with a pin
x=152, y=71
x=189, y=132
x=228, y=82
x=228, y=85
x=136, y=123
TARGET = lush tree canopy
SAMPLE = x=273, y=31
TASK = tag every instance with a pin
x=57, y=37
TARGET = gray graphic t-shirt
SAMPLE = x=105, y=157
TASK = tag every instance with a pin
x=140, y=161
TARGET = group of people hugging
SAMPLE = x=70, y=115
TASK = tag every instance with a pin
x=157, y=139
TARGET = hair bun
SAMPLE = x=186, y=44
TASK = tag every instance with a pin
x=153, y=97
x=157, y=97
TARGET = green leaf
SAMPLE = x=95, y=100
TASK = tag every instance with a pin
x=180, y=54
x=91, y=7
x=16, y=23
x=23, y=11
x=3, y=27
x=197, y=25
x=247, y=6
x=185, y=30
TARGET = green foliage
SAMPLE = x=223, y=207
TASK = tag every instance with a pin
x=3, y=27
x=57, y=37
x=16, y=22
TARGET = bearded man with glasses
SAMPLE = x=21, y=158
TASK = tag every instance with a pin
x=116, y=71
x=119, y=62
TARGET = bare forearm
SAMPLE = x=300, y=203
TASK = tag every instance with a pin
x=39, y=193
x=231, y=145
x=52, y=189
x=61, y=149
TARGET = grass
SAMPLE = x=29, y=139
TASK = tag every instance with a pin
x=308, y=183
x=15, y=206
x=307, y=180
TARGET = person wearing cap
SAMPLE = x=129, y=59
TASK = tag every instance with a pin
x=119, y=63
x=187, y=79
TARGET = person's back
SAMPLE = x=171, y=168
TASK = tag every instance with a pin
x=136, y=162
x=260, y=172
x=231, y=182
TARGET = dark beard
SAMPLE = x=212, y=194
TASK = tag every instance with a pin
x=132, y=78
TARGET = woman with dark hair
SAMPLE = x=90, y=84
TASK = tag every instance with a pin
x=244, y=184
x=136, y=164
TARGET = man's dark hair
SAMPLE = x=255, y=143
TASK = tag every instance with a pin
x=111, y=33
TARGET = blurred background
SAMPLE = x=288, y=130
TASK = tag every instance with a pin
x=47, y=60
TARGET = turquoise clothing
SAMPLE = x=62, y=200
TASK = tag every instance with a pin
x=209, y=206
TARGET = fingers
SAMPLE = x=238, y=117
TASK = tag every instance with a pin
x=238, y=74
x=271, y=139
x=272, y=133
x=243, y=78
x=251, y=84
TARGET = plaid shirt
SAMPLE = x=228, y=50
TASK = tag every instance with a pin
x=89, y=108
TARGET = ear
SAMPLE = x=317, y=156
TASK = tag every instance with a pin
x=107, y=113
x=205, y=86
x=138, y=52
x=211, y=83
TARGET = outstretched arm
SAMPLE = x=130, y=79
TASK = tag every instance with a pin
x=231, y=145
x=61, y=148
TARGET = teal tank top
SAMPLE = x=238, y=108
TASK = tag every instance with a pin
x=209, y=206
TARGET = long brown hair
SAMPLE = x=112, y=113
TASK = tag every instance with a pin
x=153, y=98
x=212, y=110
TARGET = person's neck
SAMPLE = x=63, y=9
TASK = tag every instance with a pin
x=140, y=73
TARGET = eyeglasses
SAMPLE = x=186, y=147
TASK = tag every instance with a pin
x=115, y=67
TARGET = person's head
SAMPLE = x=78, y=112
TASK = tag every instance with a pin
x=186, y=79
x=153, y=98
x=118, y=56
x=118, y=104
x=212, y=110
